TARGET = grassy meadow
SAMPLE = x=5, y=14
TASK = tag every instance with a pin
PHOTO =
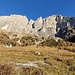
x=55, y=60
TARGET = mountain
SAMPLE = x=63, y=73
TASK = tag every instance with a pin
x=54, y=25
x=13, y=23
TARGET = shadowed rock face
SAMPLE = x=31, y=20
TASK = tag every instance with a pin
x=68, y=33
x=51, y=26
x=72, y=39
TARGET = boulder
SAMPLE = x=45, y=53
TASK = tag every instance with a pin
x=37, y=53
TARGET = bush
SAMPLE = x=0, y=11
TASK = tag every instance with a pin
x=49, y=43
x=52, y=43
x=7, y=69
x=27, y=40
x=32, y=71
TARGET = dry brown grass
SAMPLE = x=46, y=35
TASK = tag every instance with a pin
x=58, y=59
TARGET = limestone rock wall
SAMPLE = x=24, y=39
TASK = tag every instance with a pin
x=49, y=26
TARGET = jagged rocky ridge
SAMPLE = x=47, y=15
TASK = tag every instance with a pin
x=54, y=26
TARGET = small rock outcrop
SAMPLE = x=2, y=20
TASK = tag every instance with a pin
x=37, y=53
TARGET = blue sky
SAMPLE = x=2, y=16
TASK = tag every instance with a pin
x=36, y=8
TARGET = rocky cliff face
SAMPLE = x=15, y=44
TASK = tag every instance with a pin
x=13, y=23
x=50, y=26
x=68, y=33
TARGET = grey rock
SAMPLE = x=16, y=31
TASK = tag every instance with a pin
x=68, y=33
x=13, y=23
x=54, y=26
x=37, y=53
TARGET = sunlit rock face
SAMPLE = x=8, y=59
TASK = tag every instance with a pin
x=13, y=23
x=28, y=28
x=50, y=26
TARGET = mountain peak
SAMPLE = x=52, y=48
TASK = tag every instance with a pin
x=43, y=27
